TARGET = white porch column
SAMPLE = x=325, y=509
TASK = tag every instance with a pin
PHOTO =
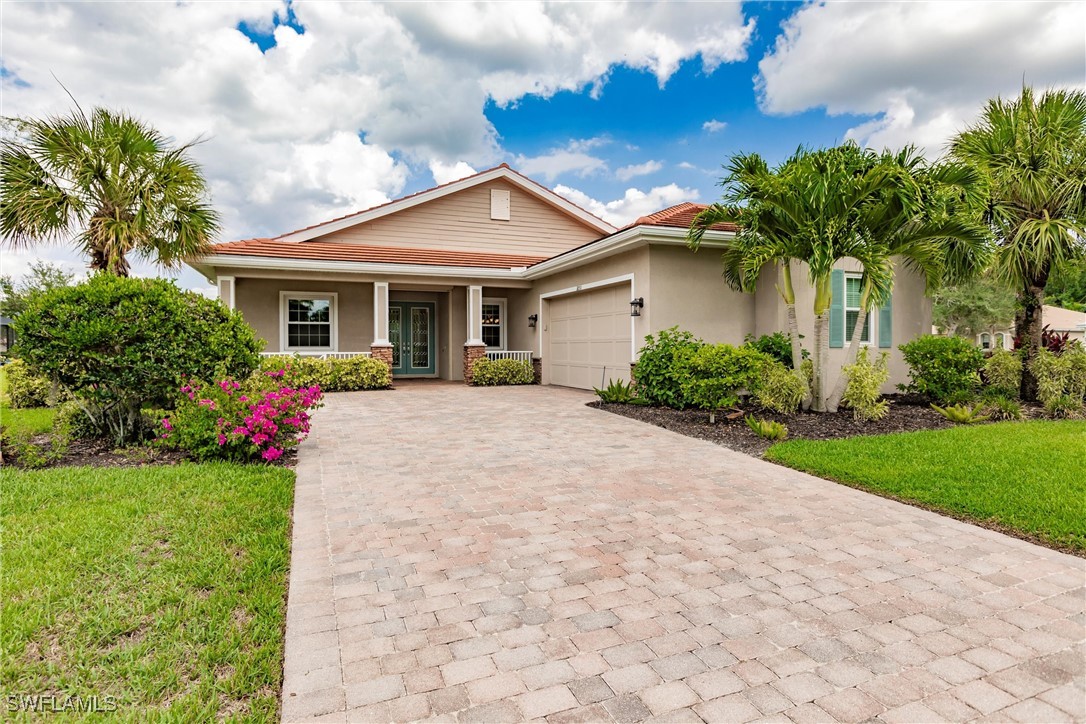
x=475, y=317
x=226, y=291
x=380, y=314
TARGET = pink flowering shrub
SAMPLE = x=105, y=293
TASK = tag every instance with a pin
x=257, y=419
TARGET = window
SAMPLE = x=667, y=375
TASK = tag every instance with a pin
x=853, y=287
x=985, y=341
x=309, y=321
x=494, y=323
x=1001, y=341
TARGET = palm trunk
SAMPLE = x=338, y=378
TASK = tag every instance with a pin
x=822, y=353
x=853, y=349
x=789, y=296
x=1029, y=329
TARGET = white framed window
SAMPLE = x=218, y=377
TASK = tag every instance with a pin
x=985, y=341
x=853, y=290
x=307, y=321
x=493, y=311
x=1001, y=340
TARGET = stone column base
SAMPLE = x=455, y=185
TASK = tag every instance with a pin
x=537, y=370
x=382, y=352
x=472, y=353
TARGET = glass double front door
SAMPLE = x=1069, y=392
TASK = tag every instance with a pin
x=411, y=332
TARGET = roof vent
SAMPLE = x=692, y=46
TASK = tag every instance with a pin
x=499, y=204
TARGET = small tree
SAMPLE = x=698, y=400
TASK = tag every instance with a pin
x=966, y=310
x=41, y=278
x=122, y=345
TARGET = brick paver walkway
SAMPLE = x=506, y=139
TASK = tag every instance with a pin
x=486, y=555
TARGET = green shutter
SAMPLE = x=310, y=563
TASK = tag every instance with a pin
x=886, y=323
x=837, y=308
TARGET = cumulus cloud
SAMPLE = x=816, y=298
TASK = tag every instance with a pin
x=335, y=116
x=923, y=70
x=633, y=204
x=639, y=169
x=713, y=125
x=447, y=173
x=572, y=158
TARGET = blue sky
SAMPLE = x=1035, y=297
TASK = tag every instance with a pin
x=310, y=110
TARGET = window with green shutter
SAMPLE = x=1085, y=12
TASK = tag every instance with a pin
x=853, y=289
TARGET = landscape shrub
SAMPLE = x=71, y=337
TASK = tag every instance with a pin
x=493, y=372
x=1061, y=380
x=716, y=373
x=331, y=375
x=71, y=419
x=258, y=418
x=777, y=345
x=1002, y=407
x=120, y=344
x=778, y=388
x=864, y=390
x=766, y=429
x=962, y=414
x=943, y=369
x=619, y=392
x=25, y=388
x=1003, y=372
x=663, y=366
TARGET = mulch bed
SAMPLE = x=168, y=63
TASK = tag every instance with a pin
x=102, y=453
x=907, y=414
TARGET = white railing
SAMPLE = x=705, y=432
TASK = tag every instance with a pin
x=523, y=356
x=318, y=355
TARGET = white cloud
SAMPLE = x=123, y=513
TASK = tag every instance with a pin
x=923, y=70
x=713, y=125
x=640, y=169
x=446, y=173
x=573, y=158
x=634, y=203
x=327, y=121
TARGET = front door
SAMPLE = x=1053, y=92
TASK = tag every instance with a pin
x=411, y=332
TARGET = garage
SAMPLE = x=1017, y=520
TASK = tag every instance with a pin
x=590, y=337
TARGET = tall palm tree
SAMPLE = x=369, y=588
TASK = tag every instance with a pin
x=107, y=182
x=1033, y=153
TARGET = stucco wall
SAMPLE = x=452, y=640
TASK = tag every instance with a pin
x=258, y=301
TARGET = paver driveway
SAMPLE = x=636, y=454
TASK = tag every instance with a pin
x=509, y=554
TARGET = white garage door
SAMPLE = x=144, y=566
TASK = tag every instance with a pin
x=589, y=337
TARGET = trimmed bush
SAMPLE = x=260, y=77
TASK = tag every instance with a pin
x=718, y=372
x=494, y=372
x=331, y=375
x=26, y=389
x=1003, y=372
x=120, y=344
x=779, y=389
x=864, y=390
x=663, y=366
x=777, y=345
x=943, y=369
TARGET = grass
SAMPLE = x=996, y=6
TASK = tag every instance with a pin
x=162, y=587
x=1025, y=478
x=22, y=423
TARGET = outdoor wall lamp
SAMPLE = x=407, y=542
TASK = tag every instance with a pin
x=636, y=306
x=532, y=319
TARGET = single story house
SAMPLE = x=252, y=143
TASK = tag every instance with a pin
x=1057, y=319
x=496, y=264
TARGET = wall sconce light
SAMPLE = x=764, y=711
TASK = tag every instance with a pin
x=532, y=319
x=636, y=306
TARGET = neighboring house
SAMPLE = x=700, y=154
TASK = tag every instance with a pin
x=7, y=334
x=496, y=264
x=1057, y=319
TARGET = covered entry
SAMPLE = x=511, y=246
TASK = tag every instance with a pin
x=590, y=335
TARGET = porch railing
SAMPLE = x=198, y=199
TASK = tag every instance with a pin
x=318, y=355
x=523, y=356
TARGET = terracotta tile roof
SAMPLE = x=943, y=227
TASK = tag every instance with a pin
x=435, y=188
x=328, y=251
x=680, y=215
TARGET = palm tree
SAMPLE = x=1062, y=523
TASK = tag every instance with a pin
x=1033, y=152
x=107, y=182
x=820, y=207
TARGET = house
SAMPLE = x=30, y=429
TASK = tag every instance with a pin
x=498, y=265
x=7, y=334
x=1057, y=319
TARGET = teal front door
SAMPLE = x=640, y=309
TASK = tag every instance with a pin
x=411, y=331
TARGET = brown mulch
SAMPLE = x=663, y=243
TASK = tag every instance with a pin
x=102, y=453
x=906, y=414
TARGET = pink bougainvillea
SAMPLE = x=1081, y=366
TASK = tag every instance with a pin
x=258, y=418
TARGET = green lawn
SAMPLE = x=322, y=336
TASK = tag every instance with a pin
x=1027, y=477
x=163, y=587
x=28, y=422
